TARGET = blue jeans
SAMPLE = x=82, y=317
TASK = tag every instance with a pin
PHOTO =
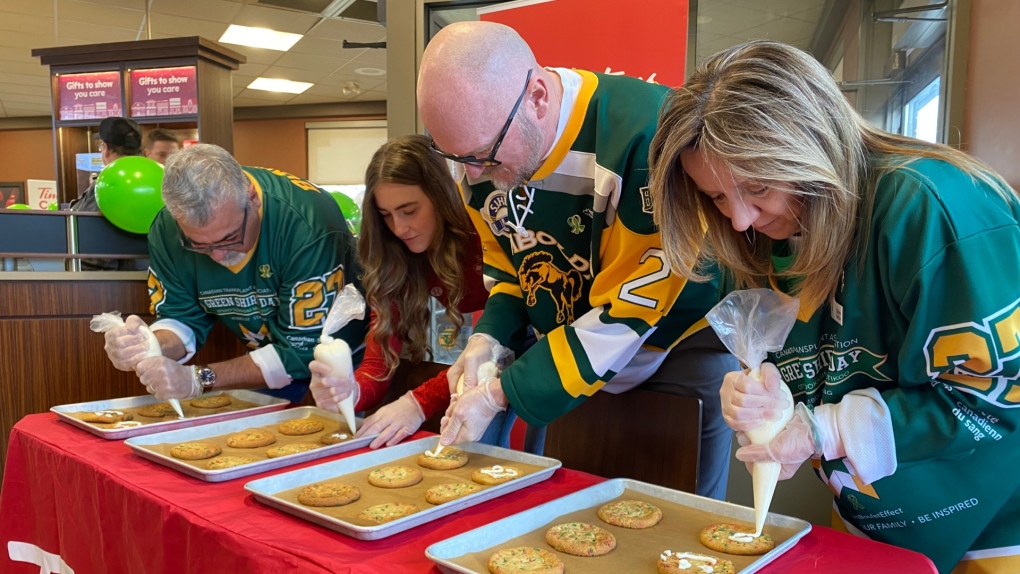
x=498, y=433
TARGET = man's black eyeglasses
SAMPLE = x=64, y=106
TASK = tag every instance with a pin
x=491, y=160
x=186, y=243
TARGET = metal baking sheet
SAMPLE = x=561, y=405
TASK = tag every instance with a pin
x=266, y=489
x=229, y=427
x=266, y=404
x=491, y=536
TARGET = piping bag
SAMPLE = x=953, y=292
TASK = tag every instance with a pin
x=347, y=306
x=752, y=323
x=105, y=321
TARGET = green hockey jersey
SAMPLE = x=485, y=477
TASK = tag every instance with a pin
x=586, y=268
x=930, y=318
x=275, y=301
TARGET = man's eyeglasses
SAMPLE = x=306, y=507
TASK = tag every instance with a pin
x=186, y=242
x=491, y=159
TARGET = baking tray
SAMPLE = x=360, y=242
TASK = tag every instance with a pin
x=490, y=537
x=266, y=404
x=230, y=427
x=266, y=489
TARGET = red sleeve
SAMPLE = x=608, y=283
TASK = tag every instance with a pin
x=372, y=367
x=433, y=395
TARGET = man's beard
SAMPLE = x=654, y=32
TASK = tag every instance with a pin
x=507, y=178
x=232, y=258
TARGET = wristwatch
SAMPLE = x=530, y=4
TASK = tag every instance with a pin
x=206, y=377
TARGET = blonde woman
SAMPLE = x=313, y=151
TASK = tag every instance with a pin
x=416, y=243
x=906, y=258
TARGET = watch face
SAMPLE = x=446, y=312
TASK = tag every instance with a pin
x=207, y=376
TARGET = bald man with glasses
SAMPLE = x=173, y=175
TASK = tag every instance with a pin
x=553, y=166
x=259, y=250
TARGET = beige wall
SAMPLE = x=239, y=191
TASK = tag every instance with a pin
x=26, y=154
x=991, y=115
x=277, y=144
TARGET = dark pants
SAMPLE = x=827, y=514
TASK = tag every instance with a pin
x=695, y=368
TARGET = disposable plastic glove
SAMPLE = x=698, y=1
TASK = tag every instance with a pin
x=480, y=349
x=799, y=440
x=329, y=388
x=747, y=403
x=470, y=414
x=167, y=379
x=394, y=422
x=126, y=345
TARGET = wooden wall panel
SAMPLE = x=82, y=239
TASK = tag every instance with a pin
x=51, y=357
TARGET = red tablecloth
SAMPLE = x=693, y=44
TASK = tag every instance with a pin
x=99, y=508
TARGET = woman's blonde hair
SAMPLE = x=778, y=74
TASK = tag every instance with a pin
x=773, y=114
x=394, y=277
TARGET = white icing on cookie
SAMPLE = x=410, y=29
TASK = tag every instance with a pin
x=743, y=537
x=126, y=424
x=498, y=471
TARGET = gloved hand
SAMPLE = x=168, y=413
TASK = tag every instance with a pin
x=799, y=440
x=168, y=379
x=126, y=345
x=394, y=422
x=470, y=414
x=480, y=348
x=747, y=403
x=329, y=388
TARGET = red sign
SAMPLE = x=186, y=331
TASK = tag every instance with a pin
x=164, y=92
x=645, y=39
x=89, y=96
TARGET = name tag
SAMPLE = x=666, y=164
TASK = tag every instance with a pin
x=837, y=312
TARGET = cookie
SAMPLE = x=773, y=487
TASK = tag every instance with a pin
x=298, y=427
x=525, y=559
x=447, y=492
x=448, y=459
x=328, y=494
x=295, y=448
x=580, y=539
x=157, y=411
x=106, y=417
x=251, y=438
x=211, y=402
x=495, y=475
x=394, y=477
x=382, y=513
x=334, y=438
x=195, y=450
x=630, y=514
x=688, y=563
x=228, y=461
x=734, y=539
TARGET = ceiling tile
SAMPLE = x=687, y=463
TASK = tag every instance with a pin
x=23, y=7
x=20, y=54
x=19, y=40
x=94, y=34
x=26, y=23
x=26, y=68
x=21, y=110
x=256, y=55
x=309, y=62
x=274, y=19
x=347, y=74
x=339, y=29
x=265, y=96
x=372, y=58
x=371, y=96
x=318, y=46
x=24, y=99
x=212, y=10
x=42, y=80
x=249, y=69
x=100, y=14
x=294, y=74
x=305, y=98
x=27, y=90
x=166, y=24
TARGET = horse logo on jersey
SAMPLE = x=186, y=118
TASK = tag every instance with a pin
x=265, y=272
x=538, y=272
x=157, y=294
x=496, y=213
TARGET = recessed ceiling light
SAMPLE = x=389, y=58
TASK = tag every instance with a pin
x=259, y=38
x=274, y=85
x=370, y=71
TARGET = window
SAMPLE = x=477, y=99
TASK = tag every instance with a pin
x=921, y=114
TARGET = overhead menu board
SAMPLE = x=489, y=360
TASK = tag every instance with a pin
x=164, y=92
x=95, y=95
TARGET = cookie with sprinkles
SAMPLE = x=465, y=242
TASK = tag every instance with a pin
x=734, y=539
x=525, y=559
x=580, y=539
x=689, y=563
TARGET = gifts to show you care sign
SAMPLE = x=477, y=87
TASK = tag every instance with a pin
x=164, y=92
x=95, y=95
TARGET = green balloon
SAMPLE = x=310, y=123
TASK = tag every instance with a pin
x=351, y=211
x=54, y=206
x=129, y=192
x=18, y=206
